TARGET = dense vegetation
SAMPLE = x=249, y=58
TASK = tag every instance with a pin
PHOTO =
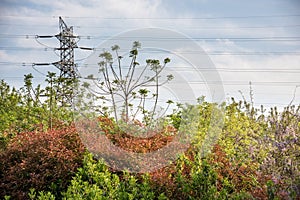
x=256, y=155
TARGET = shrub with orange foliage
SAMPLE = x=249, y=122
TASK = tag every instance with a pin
x=40, y=160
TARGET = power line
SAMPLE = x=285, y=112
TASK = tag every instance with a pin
x=20, y=77
x=129, y=38
x=263, y=94
x=270, y=38
x=280, y=69
x=189, y=28
x=156, y=18
x=186, y=18
x=240, y=83
x=228, y=93
x=38, y=71
x=217, y=53
x=225, y=69
x=202, y=27
x=269, y=83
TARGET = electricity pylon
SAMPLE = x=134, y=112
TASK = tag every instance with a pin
x=67, y=41
x=66, y=65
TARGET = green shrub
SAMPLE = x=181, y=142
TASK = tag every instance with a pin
x=95, y=181
x=9, y=110
x=201, y=181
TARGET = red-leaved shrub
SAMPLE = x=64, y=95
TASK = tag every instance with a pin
x=40, y=160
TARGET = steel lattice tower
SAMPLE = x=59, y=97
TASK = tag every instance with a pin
x=66, y=64
x=67, y=41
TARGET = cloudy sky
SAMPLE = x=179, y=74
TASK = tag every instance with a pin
x=254, y=41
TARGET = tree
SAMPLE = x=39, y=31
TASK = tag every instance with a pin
x=129, y=88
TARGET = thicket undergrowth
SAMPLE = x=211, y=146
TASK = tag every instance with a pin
x=255, y=157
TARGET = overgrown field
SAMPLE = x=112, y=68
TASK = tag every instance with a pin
x=256, y=156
